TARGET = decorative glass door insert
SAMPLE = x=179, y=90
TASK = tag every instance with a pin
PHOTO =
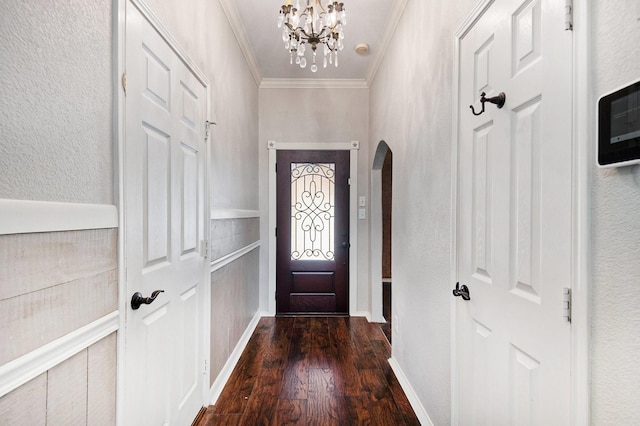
x=312, y=211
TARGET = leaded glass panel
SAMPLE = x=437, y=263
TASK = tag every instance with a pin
x=312, y=211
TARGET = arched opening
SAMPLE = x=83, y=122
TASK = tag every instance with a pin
x=382, y=188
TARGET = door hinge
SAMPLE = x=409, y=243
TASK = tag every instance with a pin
x=568, y=15
x=206, y=366
x=205, y=248
x=349, y=181
x=276, y=167
x=123, y=80
x=276, y=232
x=566, y=303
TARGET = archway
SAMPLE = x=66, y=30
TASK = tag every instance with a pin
x=381, y=195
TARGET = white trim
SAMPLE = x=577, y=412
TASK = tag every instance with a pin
x=413, y=398
x=232, y=257
x=313, y=83
x=394, y=18
x=29, y=366
x=353, y=147
x=583, y=140
x=234, y=357
x=239, y=31
x=233, y=214
x=364, y=314
x=119, y=121
x=24, y=216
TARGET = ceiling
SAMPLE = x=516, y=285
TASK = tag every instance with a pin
x=368, y=21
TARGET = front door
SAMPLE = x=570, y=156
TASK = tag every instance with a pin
x=514, y=224
x=312, y=257
x=164, y=172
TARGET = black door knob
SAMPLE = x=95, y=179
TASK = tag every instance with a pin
x=137, y=299
x=346, y=245
x=462, y=291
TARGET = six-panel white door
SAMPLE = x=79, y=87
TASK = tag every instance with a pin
x=514, y=216
x=164, y=225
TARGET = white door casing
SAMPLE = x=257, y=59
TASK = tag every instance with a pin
x=514, y=216
x=164, y=226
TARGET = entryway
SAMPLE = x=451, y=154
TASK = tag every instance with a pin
x=312, y=232
x=381, y=251
x=352, y=244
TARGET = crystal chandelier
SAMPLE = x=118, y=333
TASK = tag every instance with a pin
x=315, y=25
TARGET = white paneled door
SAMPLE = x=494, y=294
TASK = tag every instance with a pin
x=164, y=183
x=514, y=225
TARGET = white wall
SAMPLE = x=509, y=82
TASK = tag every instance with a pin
x=315, y=115
x=615, y=237
x=411, y=110
x=56, y=92
x=202, y=29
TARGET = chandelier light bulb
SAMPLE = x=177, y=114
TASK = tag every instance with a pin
x=319, y=22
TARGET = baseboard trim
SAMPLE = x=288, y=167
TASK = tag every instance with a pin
x=25, y=216
x=29, y=366
x=365, y=314
x=417, y=406
x=234, y=357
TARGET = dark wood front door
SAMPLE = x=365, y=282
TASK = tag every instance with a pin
x=312, y=232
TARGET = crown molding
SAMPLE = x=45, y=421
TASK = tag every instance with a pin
x=241, y=36
x=313, y=83
x=385, y=40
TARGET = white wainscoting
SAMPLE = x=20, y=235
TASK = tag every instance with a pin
x=19, y=371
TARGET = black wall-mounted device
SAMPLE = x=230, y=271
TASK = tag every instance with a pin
x=619, y=127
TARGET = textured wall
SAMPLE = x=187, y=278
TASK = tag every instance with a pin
x=235, y=285
x=201, y=27
x=229, y=235
x=615, y=239
x=43, y=279
x=56, y=108
x=80, y=390
x=342, y=116
x=411, y=110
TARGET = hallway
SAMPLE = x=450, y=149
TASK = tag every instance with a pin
x=313, y=370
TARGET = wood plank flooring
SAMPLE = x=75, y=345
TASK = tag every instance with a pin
x=313, y=371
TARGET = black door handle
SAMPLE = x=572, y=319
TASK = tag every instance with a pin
x=345, y=245
x=462, y=291
x=137, y=299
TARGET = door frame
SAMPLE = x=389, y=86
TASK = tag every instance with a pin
x=119, y=131
x=353, y=148
x=582, y=141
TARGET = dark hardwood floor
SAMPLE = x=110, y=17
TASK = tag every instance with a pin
x=313, y=371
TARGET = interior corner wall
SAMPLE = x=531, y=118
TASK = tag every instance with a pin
x=411, y=110
x=314, y=116
x=615, y=301
x=56, y=144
